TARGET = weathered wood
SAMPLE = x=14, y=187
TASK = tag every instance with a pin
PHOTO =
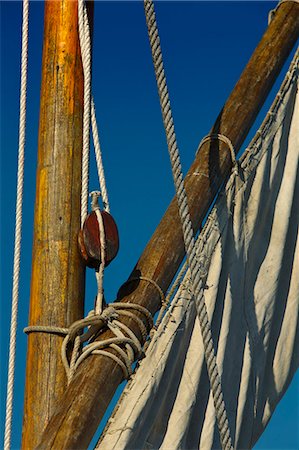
x=57, y=284
x=94, y=384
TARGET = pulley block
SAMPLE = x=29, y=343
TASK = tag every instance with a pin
x=90, y=243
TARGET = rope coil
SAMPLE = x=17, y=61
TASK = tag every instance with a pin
x=76, y=336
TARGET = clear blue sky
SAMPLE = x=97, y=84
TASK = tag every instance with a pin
x=206, y=45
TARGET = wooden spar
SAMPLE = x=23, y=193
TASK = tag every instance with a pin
x=57, y=284
x=86, y=399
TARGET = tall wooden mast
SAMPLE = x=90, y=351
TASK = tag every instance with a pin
x=94, y=384
x=57, y=284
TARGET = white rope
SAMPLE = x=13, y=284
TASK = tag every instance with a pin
x=219, y=137
x=228, y=142
x=75, y=337
x=187, y=227
x=132, y=344
x=100, y=271
x=99, y=160
x=150, y=281
x=107, y=318
x=84, y=36
x=48, y=329
x=89, y=115
x=18, y=229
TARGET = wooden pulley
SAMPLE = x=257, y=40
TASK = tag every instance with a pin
x=89, y=239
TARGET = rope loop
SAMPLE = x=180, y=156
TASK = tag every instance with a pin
x=80, y=338
x=225, y=140
x=149, y=280
x=95, y=195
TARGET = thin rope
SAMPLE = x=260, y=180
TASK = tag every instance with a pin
x=85, y=44
x=99, y=159
x=144, y=311
x=187, y=227
x=48, y=329
x=89, y=115
x=18, y=229
x=100, y=271
x=149, y=280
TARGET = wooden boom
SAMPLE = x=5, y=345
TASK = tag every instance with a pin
x=57, y=283
x=83, y=405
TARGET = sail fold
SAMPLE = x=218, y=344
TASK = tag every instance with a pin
x=250, y=247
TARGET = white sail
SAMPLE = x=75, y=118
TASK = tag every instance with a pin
x=251, y=247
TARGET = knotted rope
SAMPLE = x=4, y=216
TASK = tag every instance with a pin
x=76, y=337
x=165, y=301
x=18, y=229
x=187, y=227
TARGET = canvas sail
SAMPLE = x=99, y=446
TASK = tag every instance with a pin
x=250, y=247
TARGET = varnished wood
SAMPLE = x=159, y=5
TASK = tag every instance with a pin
x=90, y=241
x=57, y=284
x=85, y=401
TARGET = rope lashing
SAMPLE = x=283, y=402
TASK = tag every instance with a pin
x=188, y=234
x=164, y=306
x=18, y=229
x=227, y=141
x=76, y=337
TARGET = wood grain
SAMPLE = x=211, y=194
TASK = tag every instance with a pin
x=86, y=399
x=57, y=284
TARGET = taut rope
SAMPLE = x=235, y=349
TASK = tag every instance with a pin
x=18, y=229
x=188, y=233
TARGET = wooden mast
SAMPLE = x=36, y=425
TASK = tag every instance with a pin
x=94, y=384
x=57, y=284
